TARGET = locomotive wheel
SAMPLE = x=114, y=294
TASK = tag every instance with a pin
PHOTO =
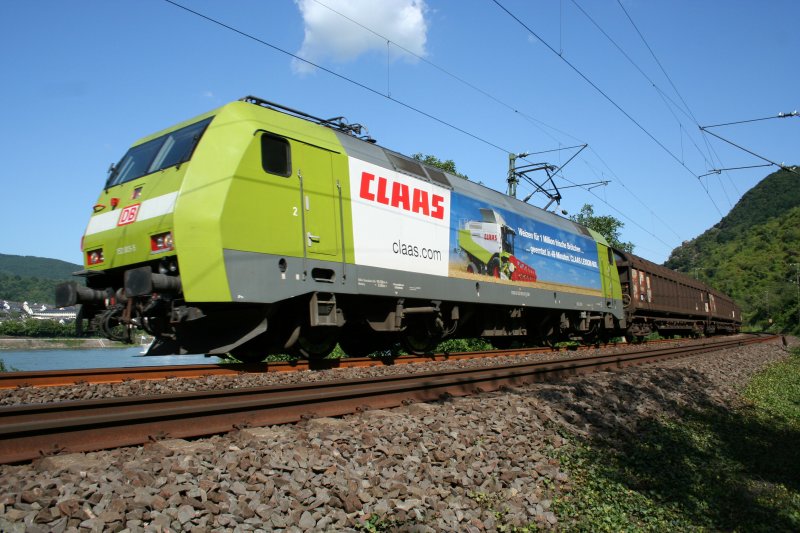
x=549, y=334
x=317, y=342
x=362, y=341
x=592, y=337
x=418, y=345
x=249, y=353
x=418, y=340
x=635, y=339
x=502, y=343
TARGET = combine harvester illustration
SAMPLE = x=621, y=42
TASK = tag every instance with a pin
x=489, y=248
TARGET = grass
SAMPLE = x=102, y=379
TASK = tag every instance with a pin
x=776, y=391
x=713, y=469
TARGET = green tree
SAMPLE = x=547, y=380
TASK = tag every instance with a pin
x=433, y=161
x=606, y=225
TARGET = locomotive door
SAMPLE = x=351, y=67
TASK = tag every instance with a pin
x=318, y=199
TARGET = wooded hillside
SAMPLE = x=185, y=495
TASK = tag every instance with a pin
x=32, y=279
x=750, y=254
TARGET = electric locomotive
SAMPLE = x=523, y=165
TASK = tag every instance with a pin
x=256, y=229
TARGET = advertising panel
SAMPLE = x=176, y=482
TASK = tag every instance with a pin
x=400, y=222
x=408, y=224
x=494, y=242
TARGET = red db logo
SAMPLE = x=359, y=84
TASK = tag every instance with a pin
x=129, y=214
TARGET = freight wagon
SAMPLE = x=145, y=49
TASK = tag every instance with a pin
x=658, y=299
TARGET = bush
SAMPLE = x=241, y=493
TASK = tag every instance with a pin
x=36, y=328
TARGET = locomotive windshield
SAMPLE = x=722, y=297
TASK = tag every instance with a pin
x=164, y=152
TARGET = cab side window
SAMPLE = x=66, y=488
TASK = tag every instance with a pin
x=276, y=155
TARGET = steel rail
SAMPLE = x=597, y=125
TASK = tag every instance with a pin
x=30, y=431
x=58, y=378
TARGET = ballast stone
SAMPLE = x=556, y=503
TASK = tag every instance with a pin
x=181, y=446
x=72, y=462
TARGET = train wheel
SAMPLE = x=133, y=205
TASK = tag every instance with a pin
x=418, y=339
x=317, y=342
x=253, y=351
x=502, y=343
x=248, y=356
x=592, y=337
x=362, y=341
x=549, y=334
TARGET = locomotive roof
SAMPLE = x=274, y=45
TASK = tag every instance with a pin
x=361, y=146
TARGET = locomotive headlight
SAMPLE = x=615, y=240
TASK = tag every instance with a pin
x=161, y=242
x=94, y=257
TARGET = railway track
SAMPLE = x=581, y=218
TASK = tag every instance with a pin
x=55, y=378
x=58, y=378
x=31, y=431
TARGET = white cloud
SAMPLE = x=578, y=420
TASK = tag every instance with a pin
x=329, y=36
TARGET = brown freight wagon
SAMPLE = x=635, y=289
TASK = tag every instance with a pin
x=671, y=303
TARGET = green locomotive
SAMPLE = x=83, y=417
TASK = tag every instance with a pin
x=257, y=229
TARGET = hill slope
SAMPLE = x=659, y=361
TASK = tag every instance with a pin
x=750, y=254
x=28, y=266
x=32, y=279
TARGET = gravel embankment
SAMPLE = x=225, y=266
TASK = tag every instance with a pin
x=466, y=464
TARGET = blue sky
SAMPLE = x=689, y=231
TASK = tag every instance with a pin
x=83, y=80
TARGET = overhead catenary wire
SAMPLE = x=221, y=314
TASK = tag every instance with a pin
x=610, y=100
x=340, y=76
x=780, y=165
x=669, y=103
x=709, y=147
x=626, y=217
x=399, y=102
x=719, y=170
x=536, y=122
x=669, y=79
x=779, y=115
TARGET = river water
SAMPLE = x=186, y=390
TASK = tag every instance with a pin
x=93, y=358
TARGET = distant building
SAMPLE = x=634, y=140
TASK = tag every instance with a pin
x=43, y=313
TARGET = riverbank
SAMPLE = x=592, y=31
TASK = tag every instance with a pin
x=34, y=343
